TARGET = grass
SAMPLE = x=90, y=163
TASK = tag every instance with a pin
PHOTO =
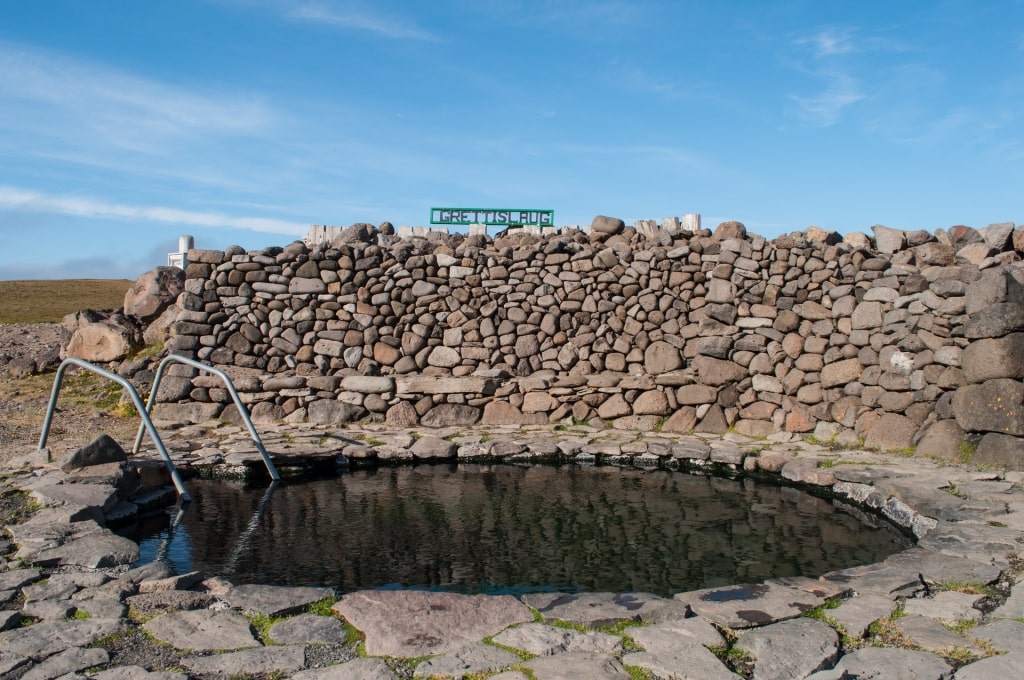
x=967, y=450
x=953, y=490
x=49, y=301
x=967, y=587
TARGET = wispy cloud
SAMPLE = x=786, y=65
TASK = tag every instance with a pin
x=21, y=199
x=46, y=91
x=640, y=80
x=829, y=42
x=359, y=20
x=826, y=108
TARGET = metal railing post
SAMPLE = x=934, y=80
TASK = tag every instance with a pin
x=147, y=424
x=242, y=410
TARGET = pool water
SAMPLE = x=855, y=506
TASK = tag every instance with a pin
x=511, y=529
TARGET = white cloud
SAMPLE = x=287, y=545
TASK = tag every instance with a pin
x=21, y=199
x=42, y=92
x=830, y=42
x=826, y=108
x=357, y=20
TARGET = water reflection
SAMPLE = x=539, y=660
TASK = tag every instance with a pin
x=505, y=528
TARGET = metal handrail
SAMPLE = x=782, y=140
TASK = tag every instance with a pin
x=147, y=424
x=231, y=390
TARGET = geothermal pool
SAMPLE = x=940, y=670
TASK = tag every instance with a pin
x=511, y=529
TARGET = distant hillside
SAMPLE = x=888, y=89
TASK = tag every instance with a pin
x=49, y=301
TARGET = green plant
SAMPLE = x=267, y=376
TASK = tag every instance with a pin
x=322, y=607
x=967, y=448
x=954, y=490
x=958, y=654
x=961, y=627
x=967, y=587
x=637, y=673
x=521, y=653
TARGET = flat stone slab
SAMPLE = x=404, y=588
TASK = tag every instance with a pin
x=408, y=623
x=948, y=606
x=19, y=578
x=203, y=630
x=993, y=668
x=95, y=550
x=604, y=609
x=357, y=669
x=268, y=660
x=164, y=602
x=69, y=661
x=575, y=666
x=665, y=637
x=12, y=663
x=900, y=574
x=750, y=605
x=1013, y=608
x=308, y=629
x=880, y=663
x=136, y=673
x=543, y=640
x=102, y=496
x=688, y=660
x=860, y=611
x=790, y=649
x=1006, y=635
x=275, y=600
x=474, y=658
x=930, y=635
x=51, y=637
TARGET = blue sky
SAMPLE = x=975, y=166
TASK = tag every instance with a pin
x=124, y=124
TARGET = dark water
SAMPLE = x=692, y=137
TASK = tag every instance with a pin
x=505, y=528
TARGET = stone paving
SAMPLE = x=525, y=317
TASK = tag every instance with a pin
x=949, y=607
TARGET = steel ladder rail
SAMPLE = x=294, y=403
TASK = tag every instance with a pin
x=147, y=424
x=242, y=410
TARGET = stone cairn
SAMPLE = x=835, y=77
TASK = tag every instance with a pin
x=903, y=340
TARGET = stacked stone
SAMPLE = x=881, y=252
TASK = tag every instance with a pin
x=649, y=329
x=989, y=406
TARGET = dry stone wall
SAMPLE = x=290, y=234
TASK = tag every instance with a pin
x=904, y=339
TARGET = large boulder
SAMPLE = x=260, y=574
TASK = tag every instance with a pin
x=990, y=358
x=993, y=406
x=730, y=229
x=889, y=240
x=99, y=336
x=102, y=449
x=154, y=292
x=603, y=224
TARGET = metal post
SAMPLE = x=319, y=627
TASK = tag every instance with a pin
x=242, y=411
x=146, y=425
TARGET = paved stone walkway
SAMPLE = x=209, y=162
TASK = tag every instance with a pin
x=950, y=607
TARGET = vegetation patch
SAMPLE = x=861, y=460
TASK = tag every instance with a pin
x=49, y=301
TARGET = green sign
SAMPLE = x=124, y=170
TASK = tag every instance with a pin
x=508, y=217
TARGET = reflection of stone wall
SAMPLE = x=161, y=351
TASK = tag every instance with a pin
x=854, y=340
x=601, y=528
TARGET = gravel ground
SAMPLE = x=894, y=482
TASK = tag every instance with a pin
x=23, y=401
